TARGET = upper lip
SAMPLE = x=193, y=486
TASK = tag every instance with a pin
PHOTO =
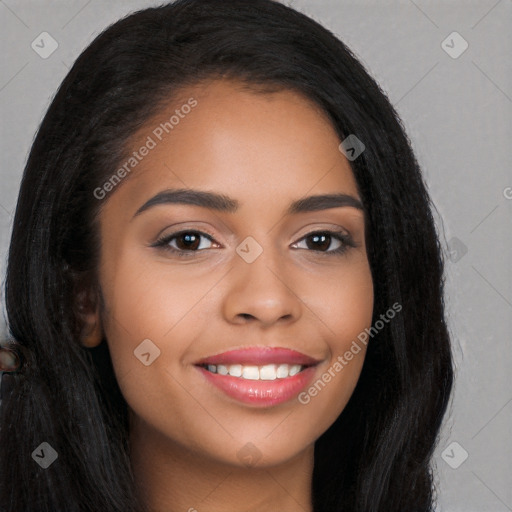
x=260, y=356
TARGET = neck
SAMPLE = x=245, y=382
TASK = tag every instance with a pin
x=172, y=478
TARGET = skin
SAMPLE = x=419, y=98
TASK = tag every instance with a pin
x=264, y=150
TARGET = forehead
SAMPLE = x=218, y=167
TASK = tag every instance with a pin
x=261, y=148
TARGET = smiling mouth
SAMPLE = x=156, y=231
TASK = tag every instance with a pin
x=260, y=376
x=251, y=372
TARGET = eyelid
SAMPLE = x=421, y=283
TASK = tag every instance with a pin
x=327, y=227
x=186, y=229
x=162, y=241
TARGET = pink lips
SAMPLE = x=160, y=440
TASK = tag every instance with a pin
x=260, y=393
x=260, y=356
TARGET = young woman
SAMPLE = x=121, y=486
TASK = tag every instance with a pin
x=224, y=284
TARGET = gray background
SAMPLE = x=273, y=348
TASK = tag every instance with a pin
x=457, y=114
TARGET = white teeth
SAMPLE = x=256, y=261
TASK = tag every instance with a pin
x=282, y=371
x=251, y=372
x=222, y=369
x=267, y=372
x=235, y=370
x=294, y=370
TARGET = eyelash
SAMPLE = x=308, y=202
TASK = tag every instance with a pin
x=347, y=242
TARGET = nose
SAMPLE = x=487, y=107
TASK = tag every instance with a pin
x=261, y=291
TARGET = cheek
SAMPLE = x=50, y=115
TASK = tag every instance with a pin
x=344, y=303
x=150, y=301
x=344, y=317
x=169, y=305
x=153, y=317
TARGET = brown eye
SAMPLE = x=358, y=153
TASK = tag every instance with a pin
x=188, y=241
x=184, y=243
x=320, y=241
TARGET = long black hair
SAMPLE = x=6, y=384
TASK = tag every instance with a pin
x=377, y=454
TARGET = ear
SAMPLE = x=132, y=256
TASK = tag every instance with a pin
x=9, y=360
x=89, y=315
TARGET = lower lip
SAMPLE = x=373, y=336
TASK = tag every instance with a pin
x=262, y=393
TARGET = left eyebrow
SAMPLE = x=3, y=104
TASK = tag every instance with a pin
x=223, y=203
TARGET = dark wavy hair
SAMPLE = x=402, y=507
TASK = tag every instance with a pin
x=376, y=457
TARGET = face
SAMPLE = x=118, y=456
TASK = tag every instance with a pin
x=185, y=282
